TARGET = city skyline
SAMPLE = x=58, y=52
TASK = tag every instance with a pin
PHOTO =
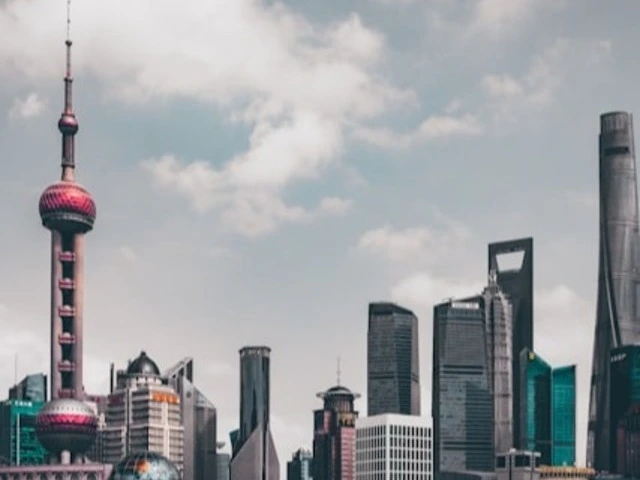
x=154, y=261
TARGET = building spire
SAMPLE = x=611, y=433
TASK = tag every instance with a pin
x=68, y=124
x=338, y=372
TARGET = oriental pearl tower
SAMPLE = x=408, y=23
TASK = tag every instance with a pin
x=66, y=426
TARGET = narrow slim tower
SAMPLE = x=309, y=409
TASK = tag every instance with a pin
x=68, y=211
x=617, y=310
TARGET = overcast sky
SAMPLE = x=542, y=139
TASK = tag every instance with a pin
x=263, y=170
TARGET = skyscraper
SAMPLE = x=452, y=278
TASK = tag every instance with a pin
x=32, y=388
x=199, y=417
x=254, y=452
x=378, y=456
x=548, y=413
x=517, y=284
x=498, y=330
x=300, y=465
x=334, y=435
x=617, y=322
x=462, y=405
x=393, y=364
x=563, y=404
x=143, y=415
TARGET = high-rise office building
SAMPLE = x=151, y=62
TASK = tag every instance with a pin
x=499, y=334
x=300, y=465
x=334, y=435
x=18, y=442
x=517, y=283
x=563, y=415
x=548, y=402
x=393, y=364
x=254, y=452
x=32, y=388
x=462, y=405
x=624, y=393
x=617, y=319
x=143, y=415
x=391, y=446
x=199, y=421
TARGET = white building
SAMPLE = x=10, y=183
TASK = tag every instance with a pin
x=394, y=447
x=143, y=415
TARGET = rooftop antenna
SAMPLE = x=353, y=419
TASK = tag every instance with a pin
x=15, y=369
x=339, y=371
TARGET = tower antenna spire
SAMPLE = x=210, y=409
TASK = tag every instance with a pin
x=338, y=372
x=68, y=123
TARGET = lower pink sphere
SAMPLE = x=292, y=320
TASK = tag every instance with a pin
x=66, y=424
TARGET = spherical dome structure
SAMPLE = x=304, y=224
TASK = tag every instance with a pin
x=66, y=206
x=68, y=124
x=66, y=424
x=143, y=365
x=144, y=466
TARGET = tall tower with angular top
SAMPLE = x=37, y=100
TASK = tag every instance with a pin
x=68, y=211
x=617, y=322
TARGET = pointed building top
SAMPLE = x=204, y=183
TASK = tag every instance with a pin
x=68, y=123
x=338, y=372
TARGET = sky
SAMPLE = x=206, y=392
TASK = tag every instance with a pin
x=262, y=170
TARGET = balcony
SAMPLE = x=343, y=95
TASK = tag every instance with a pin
x=66, y=311
x=66, y=284
x=67, y=256
x=66, y=339
x=66, y=366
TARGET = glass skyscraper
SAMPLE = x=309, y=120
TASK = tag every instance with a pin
x=617, y=316
x=548, y=409
x=462, y=404
x=563, y=415
x=393, y=366
x=625, y=391
x=299, y=467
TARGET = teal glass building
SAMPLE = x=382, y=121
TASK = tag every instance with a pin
x=625, y=391
x=563, y=415
x=548, y=409
x=18, y=442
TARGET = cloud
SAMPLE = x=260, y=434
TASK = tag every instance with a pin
x=334, y=206
x=296, y=85
x=434, y=127
x=128, y=254
x=29, y=107
x=582, y=199
x=416, y=245
x=422, y=291
x=545, y=75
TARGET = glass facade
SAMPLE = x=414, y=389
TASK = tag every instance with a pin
x=564, y=416
x=625, y=391
x=462, y=404
x=535, y=416
x=299, y=468
x=32, y=388
x=548, y=415
x=18, y=442
x=393, y=366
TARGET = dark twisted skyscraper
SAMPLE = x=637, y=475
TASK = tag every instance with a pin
x=393, y=365
x=617, y=310
x=254, y=453
x=517, y=284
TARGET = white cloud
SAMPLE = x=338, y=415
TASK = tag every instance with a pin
x=582, y=199
x=28, y=107
x=422, y=291
x=334, y=206
x=128, y=254
x=416, y=245
x=499, y=16
x=545, y=75
x=434, y=127
x=297, y=85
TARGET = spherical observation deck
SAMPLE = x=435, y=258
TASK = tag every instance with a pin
x=67, y=207
x=66, y=424
x=144, y=466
